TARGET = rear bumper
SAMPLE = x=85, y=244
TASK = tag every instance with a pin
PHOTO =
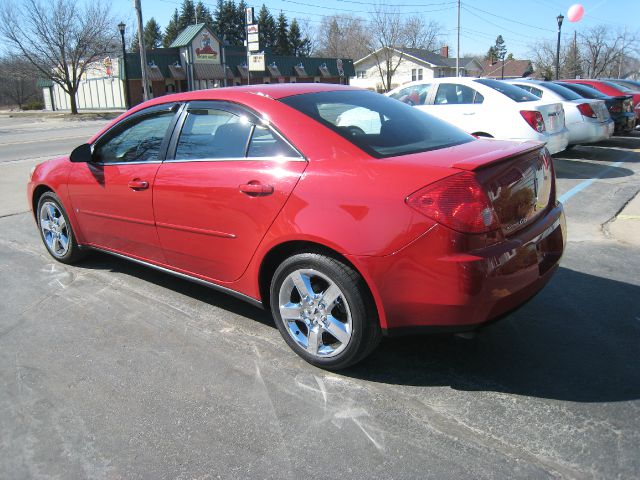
x=425, y=286
x=555, y=142
x=589, y=132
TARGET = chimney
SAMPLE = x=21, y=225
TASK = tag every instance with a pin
x=444, y=51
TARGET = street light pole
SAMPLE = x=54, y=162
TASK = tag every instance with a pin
x=559, y=18
x=127, y=100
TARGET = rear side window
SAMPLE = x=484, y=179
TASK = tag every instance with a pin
x=264, y=143
x=413, y=95
x=209, y=133
x=454, y=94
x=377, y=124
x=536, y=91
x=514, y=93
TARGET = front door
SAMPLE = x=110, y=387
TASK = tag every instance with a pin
x=112, y=194
x=459, y=105
x=216, y=198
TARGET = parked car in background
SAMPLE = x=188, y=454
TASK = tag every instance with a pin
x=610, y=88
x=344, y=235
x=620, y=107
x=588, y=120
x=630, y=84
x=489, y=108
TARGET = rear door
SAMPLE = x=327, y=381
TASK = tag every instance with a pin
x=225, y=179
x=460, y=105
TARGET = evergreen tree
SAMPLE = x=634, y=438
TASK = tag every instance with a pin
x=266, y=28
x=572, y=65
x=298, y=46
x=501, y=50
x=226, y=23
x=203, y=14
x=187, y=15
x=172, y=31
x=282, y=46
x=152, y=35
x=491, y=55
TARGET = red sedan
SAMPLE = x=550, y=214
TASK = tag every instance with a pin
x=614, y=90
x=344, y=232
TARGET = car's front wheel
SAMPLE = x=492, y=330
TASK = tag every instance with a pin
x=55, y=229
x=324, y=310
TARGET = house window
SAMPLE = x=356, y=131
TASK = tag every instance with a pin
x=416, y=74
x=361, y=74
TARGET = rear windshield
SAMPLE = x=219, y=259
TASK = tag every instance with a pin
x=516, y=94
x=620, y=87
x=381, y=126
x=587, y=91
x=564, y=92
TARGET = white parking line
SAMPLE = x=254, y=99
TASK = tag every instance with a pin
x=582, y=185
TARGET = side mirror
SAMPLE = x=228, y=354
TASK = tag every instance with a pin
x=81, y=154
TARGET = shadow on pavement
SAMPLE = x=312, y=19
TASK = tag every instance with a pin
x=215, y=298
x=566, y=168
x=577, y=341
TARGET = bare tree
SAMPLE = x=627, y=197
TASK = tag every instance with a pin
x=343, y=36
x=420, y=34
x=392, y=35
x=389, y=40
x=59, y=38
x=17, y=81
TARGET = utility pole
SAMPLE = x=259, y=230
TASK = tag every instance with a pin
x=143, y=52
x=458, y=47
x=575, y=55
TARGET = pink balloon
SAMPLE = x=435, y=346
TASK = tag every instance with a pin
x=575, y=12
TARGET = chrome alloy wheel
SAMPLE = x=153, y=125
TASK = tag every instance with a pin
x=315, y=313
x=54, y=229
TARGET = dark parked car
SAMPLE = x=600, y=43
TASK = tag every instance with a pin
x=620, y=107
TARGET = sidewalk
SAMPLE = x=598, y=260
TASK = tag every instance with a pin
x=626, y=226
x=62, y=114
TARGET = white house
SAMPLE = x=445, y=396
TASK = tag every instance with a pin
x=415, y=64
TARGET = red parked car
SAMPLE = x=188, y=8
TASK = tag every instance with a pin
x=615, y=90
x=344, y=235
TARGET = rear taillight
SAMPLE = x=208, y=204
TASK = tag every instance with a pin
x=534, y=119
x=586, y=110
x=458, y=202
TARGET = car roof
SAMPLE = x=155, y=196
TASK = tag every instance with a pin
x=273, y=90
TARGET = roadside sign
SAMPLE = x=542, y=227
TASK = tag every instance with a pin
x=254, y=46
x=249, y=15
x=253, y=37
x=256, y=63
x=252, y=28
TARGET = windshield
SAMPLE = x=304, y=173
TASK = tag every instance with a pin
x=381, y=126
x=587, y=91
x=564, y=92
x=516, y=94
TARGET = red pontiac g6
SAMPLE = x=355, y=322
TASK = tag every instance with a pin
x=346, y=232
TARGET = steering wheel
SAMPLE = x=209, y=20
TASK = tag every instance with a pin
x=355, y=131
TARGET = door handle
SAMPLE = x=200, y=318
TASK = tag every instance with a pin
x=255, y=189
x=137, y=184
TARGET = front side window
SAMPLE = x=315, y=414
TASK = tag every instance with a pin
x=377, y=124
x=136, y=141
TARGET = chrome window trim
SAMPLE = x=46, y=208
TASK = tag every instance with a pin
x=107, y=164
x=238, y=159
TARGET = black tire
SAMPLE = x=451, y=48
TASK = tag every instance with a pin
x=70, y=254
x=354, y=301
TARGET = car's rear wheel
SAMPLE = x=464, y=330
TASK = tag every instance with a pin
x=324, y=310
x=55, y=229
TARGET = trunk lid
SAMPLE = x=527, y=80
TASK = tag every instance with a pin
x=552, y=113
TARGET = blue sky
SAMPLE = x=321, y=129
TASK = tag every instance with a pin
x=521, y=23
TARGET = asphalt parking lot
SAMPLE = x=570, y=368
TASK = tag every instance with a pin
x=110, y=370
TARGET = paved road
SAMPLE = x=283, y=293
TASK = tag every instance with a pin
x=110, y=370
